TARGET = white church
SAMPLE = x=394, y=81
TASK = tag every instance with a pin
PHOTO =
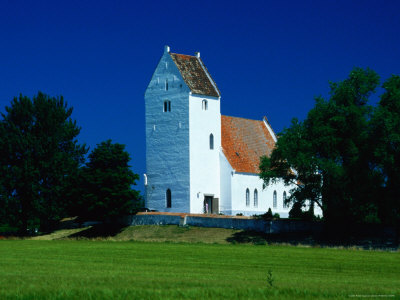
x=197, y=160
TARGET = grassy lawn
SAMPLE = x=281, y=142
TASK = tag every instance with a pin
x=81, y=269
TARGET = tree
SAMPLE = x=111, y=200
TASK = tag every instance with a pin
x=327, y=156
x=385, y=136
x=39, y=157
x=106, y=184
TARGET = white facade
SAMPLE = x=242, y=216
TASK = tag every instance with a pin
x=204, y=121
x=186, y=165
x=234, y=187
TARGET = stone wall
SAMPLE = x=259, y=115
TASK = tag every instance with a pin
x=273, y=226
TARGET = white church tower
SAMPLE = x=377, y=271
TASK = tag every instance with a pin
x=183, y=136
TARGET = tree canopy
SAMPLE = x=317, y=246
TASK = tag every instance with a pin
x=106, y=184
x=39, y=156
x=344, y=156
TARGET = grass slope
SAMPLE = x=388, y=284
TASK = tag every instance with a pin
x=127, y=270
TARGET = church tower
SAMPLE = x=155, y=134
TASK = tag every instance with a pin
x=183, y=136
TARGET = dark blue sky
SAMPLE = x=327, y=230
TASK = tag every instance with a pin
x=267, y=57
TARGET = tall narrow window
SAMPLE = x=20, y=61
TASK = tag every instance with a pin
x=166, y=84
x=247, y=197
x=284, y=200
x=168, y=198
x=275, y=203
x=255, y=198
x=211, y=141
x=204, y=104
x=167, y=106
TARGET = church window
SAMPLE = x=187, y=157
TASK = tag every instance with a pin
x=247, y=197
x=275, y=203
x=255, y=198
x=284, y=200
x=168, y=198
x=166, y=84
x=167, y=105
x=211, y=141
x=204, y=104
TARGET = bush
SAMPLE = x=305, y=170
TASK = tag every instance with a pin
x=276, y=216
x=297, y=213
x=268, y=214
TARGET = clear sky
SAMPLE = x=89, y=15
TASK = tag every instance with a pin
x=267, y=57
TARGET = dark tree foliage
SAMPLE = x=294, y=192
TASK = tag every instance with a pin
x=385, y=128
x=331, y=158
x=39, y=157
x=106, y=184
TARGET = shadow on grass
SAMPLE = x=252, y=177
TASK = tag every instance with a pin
x=314, y=240
x=99, y=231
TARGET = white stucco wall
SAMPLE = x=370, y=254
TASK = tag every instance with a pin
x=204, y=162
x=226, y=185
x=242, y=181
x=167, y=138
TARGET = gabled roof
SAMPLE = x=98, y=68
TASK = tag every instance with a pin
x=244, y=141
x=195, y=74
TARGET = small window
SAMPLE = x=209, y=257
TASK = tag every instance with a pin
x=166, y=84
x=247, y=197
x=211, y=141
x=275, y=203
x=168, y=198
x=204, y=104
x=167, y=106
x=284, y=200
x=255, y=198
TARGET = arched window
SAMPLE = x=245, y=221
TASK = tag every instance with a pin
x=275, y=202
x=168, y=198
x=255, y=198
x=211, y=141
x=247, y=197
x=204, y=104
x=167, y=105
x=284, y=200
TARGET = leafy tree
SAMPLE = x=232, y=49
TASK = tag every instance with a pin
x=327, y=157
x=385, y=136
x=106, y=184
x=39, y=157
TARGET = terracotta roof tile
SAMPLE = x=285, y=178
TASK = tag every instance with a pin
x=244, y=141
x=195, y=74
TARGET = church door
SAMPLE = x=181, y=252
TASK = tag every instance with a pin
x=211, y=205
x=208, y=201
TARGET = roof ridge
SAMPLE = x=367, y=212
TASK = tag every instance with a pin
x=242, y=118
x=182, y=54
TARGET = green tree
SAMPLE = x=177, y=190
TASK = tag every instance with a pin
x=39, y=157
x=327, y=156
x=385, y=128
x=106, y=184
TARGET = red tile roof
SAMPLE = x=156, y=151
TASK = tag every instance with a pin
x=195, y=75
x=244, y=141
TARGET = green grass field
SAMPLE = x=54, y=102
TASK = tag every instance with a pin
x=82, y=269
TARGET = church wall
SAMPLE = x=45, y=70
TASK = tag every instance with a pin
x=242, y=181
x=167, y=139
x=204, y=162
x=226, y=187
